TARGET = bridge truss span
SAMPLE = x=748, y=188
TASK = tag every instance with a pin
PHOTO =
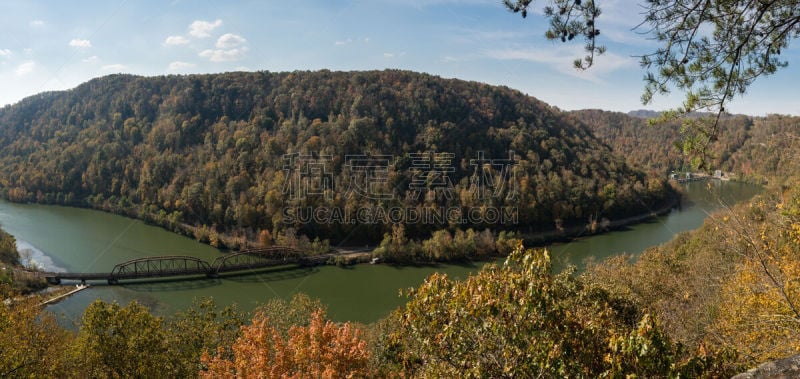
x=153, y=267
x=257, y=258
x=181, y=265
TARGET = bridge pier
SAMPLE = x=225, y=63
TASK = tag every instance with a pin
x=112, y=281
x=53, y=280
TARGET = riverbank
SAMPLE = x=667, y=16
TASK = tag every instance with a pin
x=597, y=227
x=242, y=238
x=351, y=255
x=57, y=298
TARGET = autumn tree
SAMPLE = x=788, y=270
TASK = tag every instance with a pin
x=265, y=238
x=284, y=314
x=322, y=349
x=116, y=341
x=32, y=344
x=760, y=311
x=519, y=319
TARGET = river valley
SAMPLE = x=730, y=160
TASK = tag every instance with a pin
x=81, y=240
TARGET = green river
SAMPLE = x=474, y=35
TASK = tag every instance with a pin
x=79, y=240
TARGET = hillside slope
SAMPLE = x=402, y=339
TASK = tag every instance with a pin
x=654, y=147
x=215, y=152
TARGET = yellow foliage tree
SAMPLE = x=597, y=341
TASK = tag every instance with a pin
x=521, y=320
x=759, y=314
x=32, y=345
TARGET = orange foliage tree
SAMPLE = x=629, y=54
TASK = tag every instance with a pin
x=320, y=350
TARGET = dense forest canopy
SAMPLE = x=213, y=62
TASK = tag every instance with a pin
x=659, y=148
x=750, y=148
x=209, y=153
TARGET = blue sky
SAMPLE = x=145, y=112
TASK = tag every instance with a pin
x=58, y=45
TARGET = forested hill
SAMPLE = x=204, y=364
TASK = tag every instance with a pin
x=654, y=147
x=211, y=151
x=752, y=148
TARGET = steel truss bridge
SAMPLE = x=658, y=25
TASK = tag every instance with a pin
x=186, y=266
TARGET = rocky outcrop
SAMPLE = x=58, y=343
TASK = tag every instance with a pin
x=781, y=369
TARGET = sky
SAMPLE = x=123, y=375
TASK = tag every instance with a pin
x=56, y=45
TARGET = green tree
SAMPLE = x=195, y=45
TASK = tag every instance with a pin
x=8, y=248
x=122, y=342
x=203, y=327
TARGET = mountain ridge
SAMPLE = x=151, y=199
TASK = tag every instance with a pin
x=206, y=150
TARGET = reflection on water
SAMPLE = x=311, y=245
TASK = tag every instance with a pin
x=33, y=258
x=702, y=199
x=270, y=275
x=168, y=285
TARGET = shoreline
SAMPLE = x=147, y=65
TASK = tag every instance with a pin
x=351, y=255
x=53, y=300
x=577, y=231
x=536, y=239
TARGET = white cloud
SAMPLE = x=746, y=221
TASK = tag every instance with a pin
x=229, y=47
x=392, y=55
x=343, y=42
x=26, y=68
x=36, y=23
x=178, y=65
x=202, y=29
x=230, y=41
x=561, y=58
x=5, y=53
x=80, y=43
x=220, y=55
x=114, y=67
x=92, y=59
x=450, y=59
x=176, y=40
